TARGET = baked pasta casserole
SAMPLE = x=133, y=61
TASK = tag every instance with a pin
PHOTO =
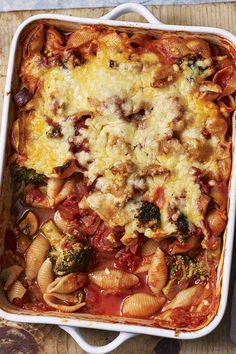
x=120, y=166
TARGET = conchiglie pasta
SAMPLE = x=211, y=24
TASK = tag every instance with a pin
x=157, y=273
x=53, y=188
x=226, y=78
x=67, y=284
x=185, y=298
x=190, y=244
x=149, y=247
x=68, y=188
x=199, y=46
x=36, y=255
x=217, y=221
x=69, y=298
x=58, y=190
x=54, y=41
x=145, y=265
x=17, y=291
x=33, y=43
x=45, y=275
x=174, y=46
x=63, y=224
x=219, y=194
x=209, y=90
x=9, y=275
x=142, y=305
x=113, y=40
x=81, y=37
x=55, y=301
x=113, y=279
x=164, y=316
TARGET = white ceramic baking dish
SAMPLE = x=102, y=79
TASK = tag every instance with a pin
x=70, y=324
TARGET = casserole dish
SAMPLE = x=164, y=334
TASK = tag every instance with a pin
x=228, y=240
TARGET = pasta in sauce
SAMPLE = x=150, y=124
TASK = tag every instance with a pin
x=120, y=169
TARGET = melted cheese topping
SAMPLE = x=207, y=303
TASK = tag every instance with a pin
x=139, y=137
x=44, y=153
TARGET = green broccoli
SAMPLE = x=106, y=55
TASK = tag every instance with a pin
x=149, y=212
x=67, y=254
x=182, y=265
x=26, y=175
x=183, y=225
x=182, y=272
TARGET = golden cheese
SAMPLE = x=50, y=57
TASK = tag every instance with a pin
x=140, y=137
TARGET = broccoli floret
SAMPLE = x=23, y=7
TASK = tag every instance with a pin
x=149, y=212
x=75, y=259
x=26, y=175
x=183, y=225
x=184, y=266
x=67, y=255
x=183, y=271
x=181, y=265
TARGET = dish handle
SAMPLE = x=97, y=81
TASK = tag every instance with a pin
x=131, y=7
x=92, y=349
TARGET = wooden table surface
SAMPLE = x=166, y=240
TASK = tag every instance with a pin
x=16, y=338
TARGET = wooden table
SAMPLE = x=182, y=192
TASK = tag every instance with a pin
x=50, y=339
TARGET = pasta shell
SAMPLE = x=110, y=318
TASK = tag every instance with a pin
x=190, y=244
x=217, y=221
x=80, y=37
x=149, y=247
x=52, y=233
x=34, y=41
x=29, y=224
x=209, y=90
x=142, y=305
x=45, y=275
x=62, y=224
x=16, y=291
x=199, y=46
x=54, y=41
x=53, y=188
x=219, y=194
x=173, y=46
x=165, y=316
x=143, y=268
x=226, y=78
x=10, y=275
x=113, y=279
x=71, y=298
x=36, y=255
x=54, y=299
x=67, y=284
x=184, y=298
x=66, y=170
x=228, y=106
x=112, y=40
x=68, y=188
x=145, y=265
x=158, y=272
